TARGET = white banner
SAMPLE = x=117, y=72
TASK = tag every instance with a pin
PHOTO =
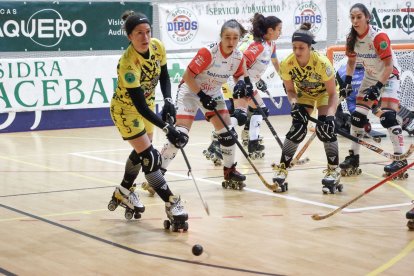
x=37, y=84
x=395, y=17
x=57, y=83
x=191, y=25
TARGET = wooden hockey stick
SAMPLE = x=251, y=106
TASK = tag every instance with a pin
x=388, y=178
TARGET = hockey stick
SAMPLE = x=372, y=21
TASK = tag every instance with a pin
x=388, y=178
x=190, y=173
x=396, y=157
x=269, y=186
x=272, y=130
x=277, y=105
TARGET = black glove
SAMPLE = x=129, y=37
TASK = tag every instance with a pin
x=176, y=137
x=207, y=101
x=326, y=129
x=299, y=113
x=261, y=85
x=168, y=110
x=239, y=90
x=249, y=87
x=373, y=92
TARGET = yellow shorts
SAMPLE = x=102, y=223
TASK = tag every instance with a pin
x=130, y=123
x=320, y=100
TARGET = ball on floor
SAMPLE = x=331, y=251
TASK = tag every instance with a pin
x=197, y=250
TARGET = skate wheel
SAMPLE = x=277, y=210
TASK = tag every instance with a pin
x=343, y=173
x=340, y=187
x=112, y=206
x=185, y=228
x=167, y=224
x=223, y=184
x=410, y=224
x=213, y=156
x=174, y=227
x=262, y=154
x=405, y=175
x=325, y=190
x=137, y=215
x=359, y=171
x=129, y=214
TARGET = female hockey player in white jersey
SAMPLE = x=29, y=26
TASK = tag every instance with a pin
x=372, y=47
x=201, y=88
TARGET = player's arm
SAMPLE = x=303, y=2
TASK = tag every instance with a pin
x=333, y=96
x=275, y=63
x=165, y=82
x=197, y=65
x=382, y=46
x=291, y=91
x=388, y=68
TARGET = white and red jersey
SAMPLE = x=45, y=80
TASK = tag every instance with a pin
x=371, y=48
x=212, y=67
x=258, y=55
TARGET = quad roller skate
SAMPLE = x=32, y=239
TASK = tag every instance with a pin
x=350, y=166
x=147, y=187
x=213, y=152
x=233, y=179
x=280, y=177
x=408, y=124
x=331, y=181
x=127, y=199
x=255, y=149
x=410, y=216
x=177, y=216
x=395, y=166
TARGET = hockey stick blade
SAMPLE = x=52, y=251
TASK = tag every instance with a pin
x=388, y=178
x=395, y=157
x=271, y=187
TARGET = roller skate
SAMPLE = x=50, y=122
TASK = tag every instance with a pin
x=147, y=187
x=280, y=177
x=331, y=180
x=350, y=166
x=410, y=216
x=177, y=216
x=233, y=179
x=127, y=199
x=408, y=124
x=255, y=149
x=395, y=166
x=213, y=152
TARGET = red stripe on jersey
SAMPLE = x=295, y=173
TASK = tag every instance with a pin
x=393, y=100
x=178, y=116
x=252, y=52
x=383, y=45
x=201, y=61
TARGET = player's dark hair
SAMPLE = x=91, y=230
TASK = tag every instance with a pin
x=352, y=36
x=260, y=24
x=304, y=34
x=132, y=19
x=234, y=24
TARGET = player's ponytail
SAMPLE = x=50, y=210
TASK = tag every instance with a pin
x=260, y=24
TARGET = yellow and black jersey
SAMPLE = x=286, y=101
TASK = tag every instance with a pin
x=311, y=78
x=134, y=70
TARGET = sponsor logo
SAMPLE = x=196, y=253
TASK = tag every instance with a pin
x=45, y=28
x=182, y=25
x=129, y=77
x=394, y=18
x=383, y=45
x=308, y=12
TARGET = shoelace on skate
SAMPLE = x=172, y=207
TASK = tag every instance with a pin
x=134, y=199
x=331, y=173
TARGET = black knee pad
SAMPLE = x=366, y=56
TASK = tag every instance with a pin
x=297, y=132
x=321, y=134
x=256, y=111
x=388, y=118
x=134, y=157
x=240, y=115
x=358, y=119
x=150, y=160
x=226, y=138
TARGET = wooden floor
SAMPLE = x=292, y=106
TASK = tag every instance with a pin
x=55, y=187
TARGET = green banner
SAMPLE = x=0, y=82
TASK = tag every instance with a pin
x=64, y=26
